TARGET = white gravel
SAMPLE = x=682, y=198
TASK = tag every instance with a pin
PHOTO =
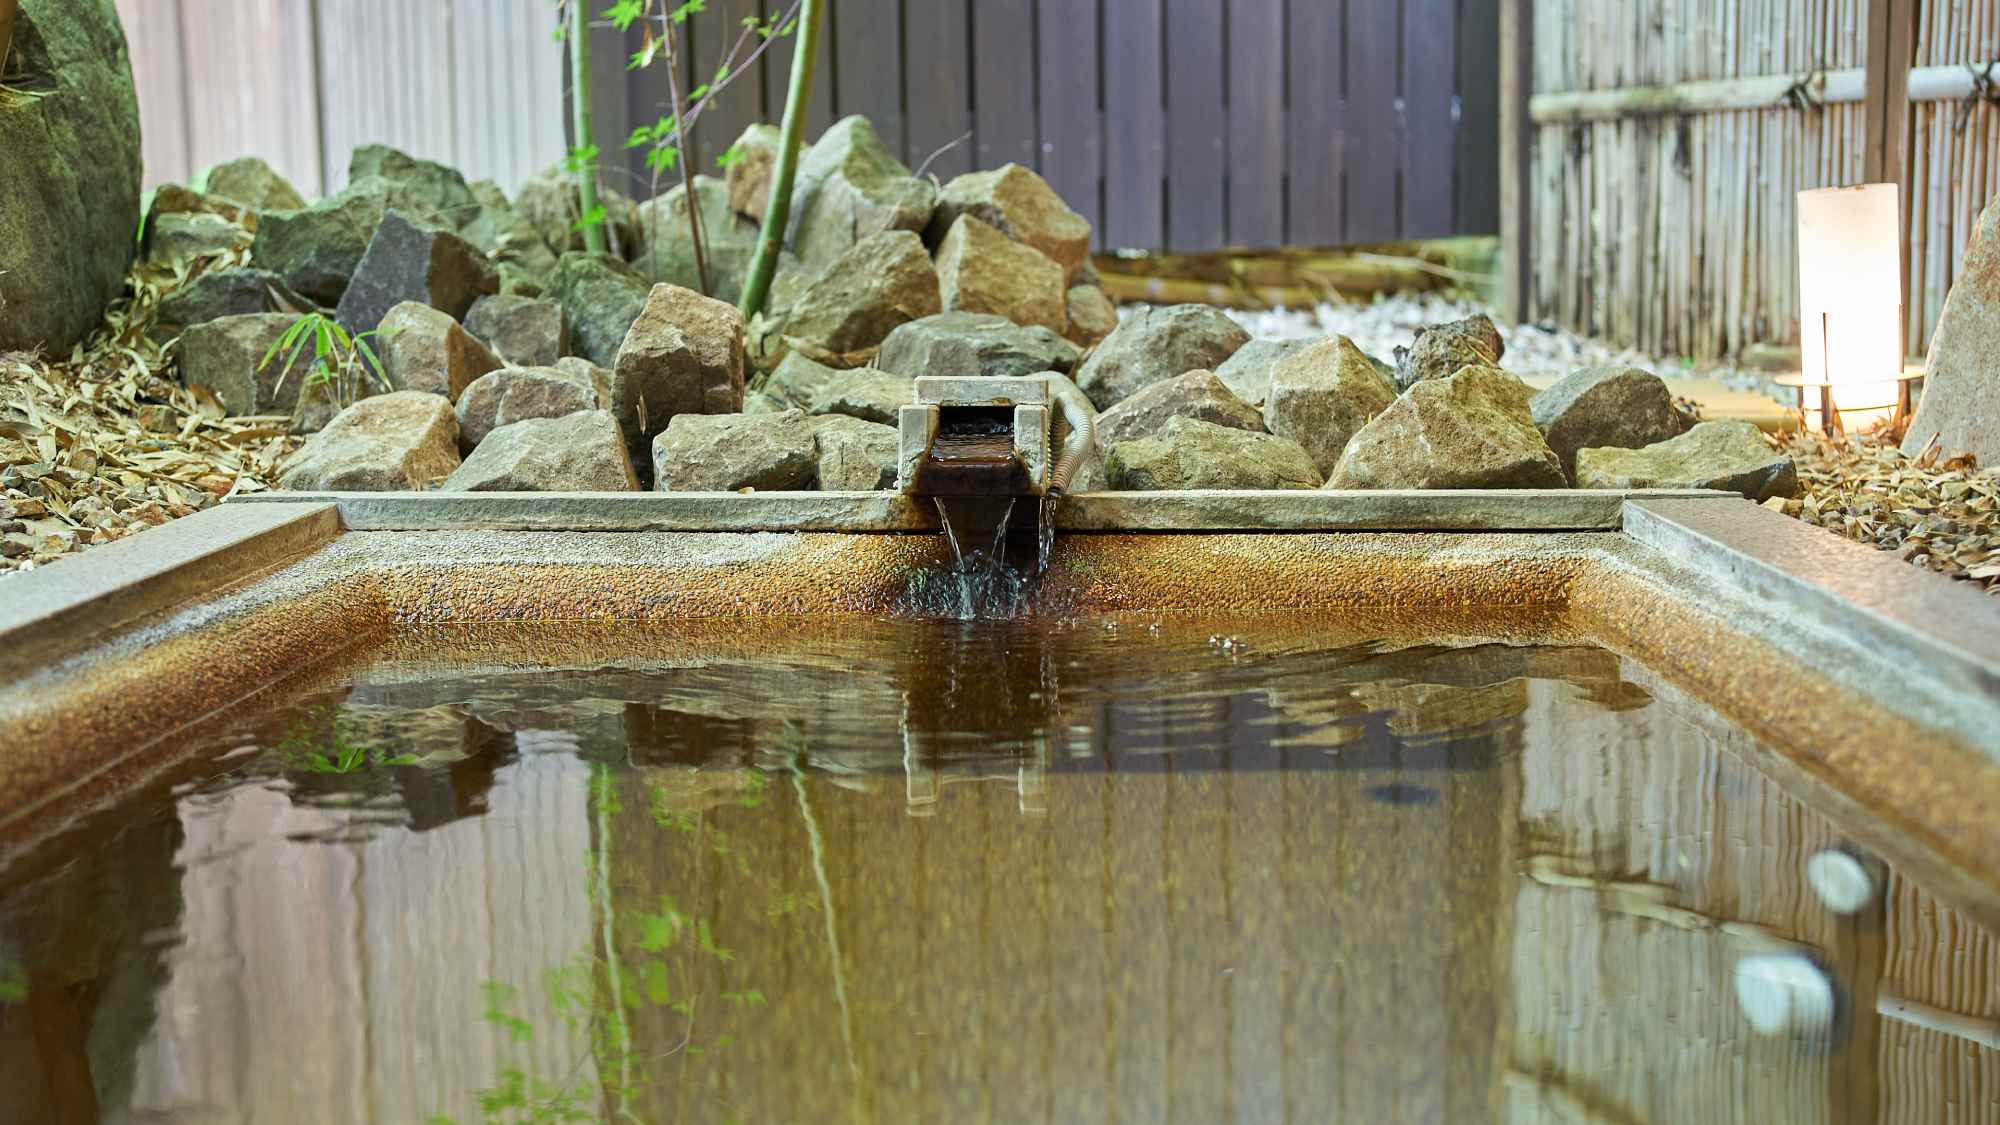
x=1379, y=327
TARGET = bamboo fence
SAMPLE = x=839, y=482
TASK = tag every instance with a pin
x=1670, y=138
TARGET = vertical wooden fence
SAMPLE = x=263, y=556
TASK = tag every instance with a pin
x=474, y=83
x=1171, y=124
x=1661, y=145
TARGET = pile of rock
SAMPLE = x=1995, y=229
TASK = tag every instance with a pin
x=493, y=325
x=1189, y=401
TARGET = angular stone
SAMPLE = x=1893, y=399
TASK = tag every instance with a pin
x=1196, y=394
x=547, y=203
x=1961, y=404
x=727, y=242
x=409, y=262
x=757, y=402
x=509, y=241
x=981, y=270
x=1158, y=343
x=317, y=247
x=1440, y=350
x=1092, y=316
x=1468, y=430
x=423, y=349
x=598, y=379
x=229, y=292
x=726, y=452
x=683, y=355
x=854, y=456
x=400, y=440
x=883, y=281
x=577, y=452
x=69, y=173
x=226, y=355
x=180, y=237
x=252, y=182
x=797, y=380
x=875, y=396
x=516, y=394
x=1022, y=206
x=1625, y=407
x=1248, y=372
x=522, y=331
x=424, y=190
x=600, y=298
x=749, y=177
x=1191, y=453
x=848, y=188
x=1731, y=456
x=973, y=344
x=1322, y=394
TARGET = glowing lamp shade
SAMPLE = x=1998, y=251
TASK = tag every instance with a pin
x=1851, y=293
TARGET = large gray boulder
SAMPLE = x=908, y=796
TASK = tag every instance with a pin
x=981, y=270
x=865, y=393
x=1440, y=350
x=226, y=355
x=1191, y=453
x=969, y=344
x=178, y=238
x=854, y=456
x=577, y=452
x=728, y=242
x=1960, y=409
x=522, y=331
x=516, y=394
x=1248, y=372
x=1731, y=456
x=683, y=355
x=600, y=297
x=1322, y=394
x=1625, y=407
x=389, y=442
x=423, y=349
x=850, y=187
x=1196, y=394
x=1468, y=430
x=1158, y=343
x=881, y=282
x=406, y=261
x=726, y=452
x=251, y=181
x=229, y=292
x=1022, y=206
x=69, y=173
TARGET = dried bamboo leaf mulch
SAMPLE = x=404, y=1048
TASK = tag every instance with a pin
x=1941, y=513
x=107, y=441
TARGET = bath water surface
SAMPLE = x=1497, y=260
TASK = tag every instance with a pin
x=1127, y=869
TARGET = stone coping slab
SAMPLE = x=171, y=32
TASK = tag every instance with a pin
x=1111, y=512
x=59, y=607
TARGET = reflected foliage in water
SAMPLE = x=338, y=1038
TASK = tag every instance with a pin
x=923, y=871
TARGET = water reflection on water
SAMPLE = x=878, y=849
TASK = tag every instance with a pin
x=933, y=872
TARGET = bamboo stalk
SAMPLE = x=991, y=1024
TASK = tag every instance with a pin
x=777, y=212
x=579, y=79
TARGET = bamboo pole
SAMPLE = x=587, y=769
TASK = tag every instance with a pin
x=777, y=213
x=579, y=100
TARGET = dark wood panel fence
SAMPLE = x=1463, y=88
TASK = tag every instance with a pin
x=1170, y=124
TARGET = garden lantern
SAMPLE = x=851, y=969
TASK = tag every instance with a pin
x=1851, y=300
